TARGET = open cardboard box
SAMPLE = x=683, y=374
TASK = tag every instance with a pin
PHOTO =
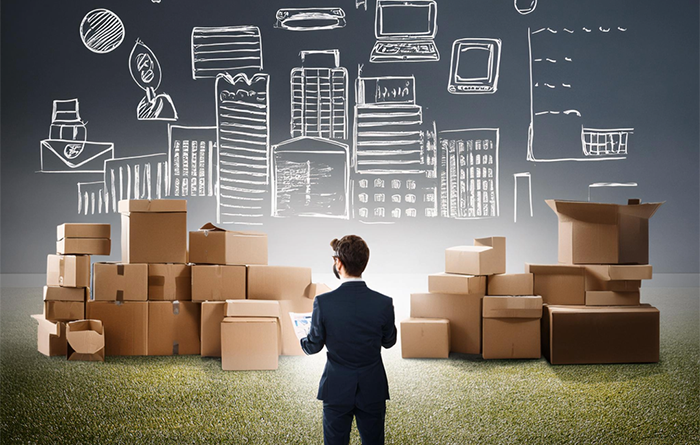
x=86, y=340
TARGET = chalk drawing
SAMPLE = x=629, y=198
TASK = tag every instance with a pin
x=67, y=149
x=608, y=185
x=405, y=30
x=92, y=198
x=361, y=3
x=136, y=177
x=525, y=7
x=319, y=104
x=226, y=49
x=101, y=31
x=528, y=177
x=311, y=177
x=146, y=72
x=193, y=161
x=243, y=141
x=474, y=66
x=310, y=19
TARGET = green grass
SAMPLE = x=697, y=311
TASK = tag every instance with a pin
x=461, y=400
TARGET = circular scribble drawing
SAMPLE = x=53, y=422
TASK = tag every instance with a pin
x=72, y=151
x=101, y=31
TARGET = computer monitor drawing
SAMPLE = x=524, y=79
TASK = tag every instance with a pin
x=405, y=30
x=474, y=66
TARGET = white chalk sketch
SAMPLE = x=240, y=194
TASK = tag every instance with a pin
x=243, y=141
x=596, y=185
x=405, y=30
x=468, y=172
x=311, y=177
x=145, y=70
x=361, y=3
x=474, y=66
x=528, y=177
x=319, y=104
x=92, y=198
x=193, y=161
x=137, y=177
x=310, y=19
x=525, y=7
x=101, y=31
x=67, y=149
x=227, y=49
x=554, y=83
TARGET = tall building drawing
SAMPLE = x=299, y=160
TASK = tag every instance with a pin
x=193, y=161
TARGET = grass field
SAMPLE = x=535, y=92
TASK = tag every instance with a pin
x=462, y=400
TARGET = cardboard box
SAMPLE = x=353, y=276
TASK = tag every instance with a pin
x=615, y=286
x=68, y=270
x=316, y=289
x=251, y=308
x=84, y=246
x=447, y=283
x=512, y=306
x=486, y=257
x=64, y=310
x=56, y=293
x=616, y=278
x=173, y=327
x=558, y=284
x=169, y=282
x=290, y=342
x=463, y=312
x=277, y=282
x=213, y=313
x=85, y=340
x=511, y=327
x=593, y=233
x=126, y=325
x=593, y=335
x=120, y=282
x=249, y=343
x=218, y=283
x=425, y=338
x=510, y=284
x=612, y=298
x=214, y=245
x=50, y=336
x=154, y=231
x=80, y=230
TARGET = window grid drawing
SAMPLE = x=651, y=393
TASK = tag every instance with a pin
x=604, y=142
x=319, y=102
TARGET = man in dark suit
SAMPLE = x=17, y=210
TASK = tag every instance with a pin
x=353, y=322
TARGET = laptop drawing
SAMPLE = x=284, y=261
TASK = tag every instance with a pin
x=405, y=30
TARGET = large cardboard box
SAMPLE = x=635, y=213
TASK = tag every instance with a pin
x=511, y=327
x=463, y=311
x=594, y=233
x=214, y=245
x=83, y=230
x=173, y=328
x=277, y=282
x=558, y=284
x=126, y=325
x=447, y=283
x=50, y=336
x=592, y=335
x=213, y=313
x=84, y=246
x=249, y=343
x=68, y=270
x=510, y=284
x=290, y=342
x=612, y=298
x=64, y=310
x=218, y=283
x=120, y=282
x=56, y=293
x=154, y=231
x=486, y=257
x=425, y=338
x=169, y=282
x=85, y=340
x=616, y=278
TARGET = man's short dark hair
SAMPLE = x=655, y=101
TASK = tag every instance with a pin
x=353, y=253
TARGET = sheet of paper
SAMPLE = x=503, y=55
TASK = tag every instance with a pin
x=301, y=323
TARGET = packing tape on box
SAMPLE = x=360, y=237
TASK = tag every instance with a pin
x=176, y=307
x=61, y=269
x=176, y=348
x=120, y=269
x=120, y=295
x=118, y=303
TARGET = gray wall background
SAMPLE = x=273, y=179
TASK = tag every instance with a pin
x=653, y=88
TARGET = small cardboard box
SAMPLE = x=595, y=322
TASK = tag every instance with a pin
x=596, y=335
x=80, y=230
x=154, y=231
x=616, y=278
x=290, y=342
x=486, y=257
x=120, y=282
x=463, y=312
x=425, y=338
x=173, y=328
x=85, y=340
x=510, y=284
x=50, y=336
x=277, y=282
x=316, y=289
x=447, y=283
x=126, y=324
x=218, y=283
x=68, y=270
x=558, y=284
x=512, y=327
x=64, y=310
x=612, y=298
x=84, y=246
x=213, y=313
x=249, y=343
x=55, y=293
x=169, y=282
x=593, y=233
x=214, y=245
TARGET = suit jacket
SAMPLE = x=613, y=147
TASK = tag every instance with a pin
x=353, y=322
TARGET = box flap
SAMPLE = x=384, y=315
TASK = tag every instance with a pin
x=209, y=227
x=49, y=326
x=152, y=205
x=621, y=272
x=512, y=306
x=85, y=336
x=470, y=248
x=592, y=212
x=600, y=309
x=313, y=290
x=426, y=320
x=252, y=308
x=249, y=320
x=644, y=211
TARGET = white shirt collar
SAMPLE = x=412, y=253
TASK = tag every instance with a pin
x=347, y=280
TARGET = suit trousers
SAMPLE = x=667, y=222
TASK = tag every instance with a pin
x=337, y=422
